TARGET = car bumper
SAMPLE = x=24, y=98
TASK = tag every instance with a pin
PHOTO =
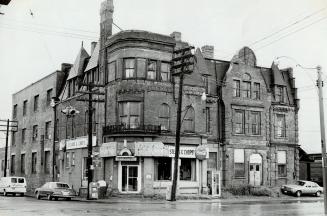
x=16, y=190
x=63, y=196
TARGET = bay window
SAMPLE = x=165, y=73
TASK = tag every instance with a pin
x=129, y=114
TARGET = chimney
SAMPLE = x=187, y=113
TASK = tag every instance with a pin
x=65, y=67
x=177, y=36
x=208, y=51
x=93, y=45
x=106, y=12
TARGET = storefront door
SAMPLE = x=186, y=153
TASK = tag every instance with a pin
x=255, y=172
x=129, y=178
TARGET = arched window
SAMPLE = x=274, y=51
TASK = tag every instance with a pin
x=164, y=116
x=188, y=121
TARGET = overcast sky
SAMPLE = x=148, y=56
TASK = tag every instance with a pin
x=36, y=36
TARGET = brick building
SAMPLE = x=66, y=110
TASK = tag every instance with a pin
x=247, y=125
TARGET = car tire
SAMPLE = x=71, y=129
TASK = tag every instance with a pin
x=5, y=193
x=298, y=193
x=49, y=197
x=22, y=194
x=56, y=198
x=37, y=195
x=68, y=199
x=318, y=193
x=14, y=194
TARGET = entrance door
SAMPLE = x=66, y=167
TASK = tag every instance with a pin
x=129, y=178
x=255, y=170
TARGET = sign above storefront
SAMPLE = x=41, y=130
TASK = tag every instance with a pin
x=80, y=142
x=190, y=152
x=126, y=158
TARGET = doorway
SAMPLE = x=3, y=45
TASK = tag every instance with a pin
x=129, y=178
x=255, y=170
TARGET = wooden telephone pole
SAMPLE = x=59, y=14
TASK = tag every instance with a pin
x=90, y=101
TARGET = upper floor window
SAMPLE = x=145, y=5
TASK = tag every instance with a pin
x=13, y=138
x=129, y=68
x=164, y=116
x=129, y=113
x=24, y=107
x=188, y=122
x=49, y=96
x=280, y=127
x=165, y=71
x=111, y=71
x=35, y=133
x=14, y=112
x=23, y=135
x=256, y=91
x=239, y=122
x=34, y=162
x=206, y=83
x=280, y=94
x=247, y=89
x=36, y=103
x=151, y=70
x=208, y=120
x=47, y=130
x=255, y=123
x=236, y=88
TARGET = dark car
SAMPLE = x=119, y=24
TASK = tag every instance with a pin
x=55, y=190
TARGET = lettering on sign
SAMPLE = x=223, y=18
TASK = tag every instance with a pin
x=184, y=152
x=77, y=143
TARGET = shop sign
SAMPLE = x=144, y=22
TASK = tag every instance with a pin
x=201, y=152
x=126, y=158
x=108, y=149
x=80, y=142
x=184, y=151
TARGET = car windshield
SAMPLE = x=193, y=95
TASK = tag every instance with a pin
x=61, y=185
x=301, y=183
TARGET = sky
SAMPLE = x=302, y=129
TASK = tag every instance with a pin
x=36, y=36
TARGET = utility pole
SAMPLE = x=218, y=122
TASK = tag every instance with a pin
x=182, y=63
x=90, y=101
x=9, y=128
x=322, y=134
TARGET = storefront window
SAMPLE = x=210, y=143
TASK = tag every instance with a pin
x=162, y=168
x=239, y=168
x=212, y=161
x=281, y=159
x=67, y=165
x=187, y=169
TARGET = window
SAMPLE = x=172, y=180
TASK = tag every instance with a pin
x=236, y=88
x=34, y=161
x=67, y=164
x=35, y=132
x=129, y=113
x=47, y=162
x=13, y=138
x=23, y=135
x=164, y=116
x=239, y=165
x=49, y=96
x=187, y=169
x=206, y=83
x=165, y=71
x=73, y=159
x=151, y=70
x=13, y=180
x=47, y=130
x=24, y=107
x=14, y=112
x=162, y=169
x=111, y=71
x=280, y=94
x=208, y=120
x=22, y=164
x=188, y=121
x=255, y=123
x=247, y=89
x=281, y=160
x=36, y=103
x=239, y=122
x=12, y=164
x=129, y=67
x=2, y=165
x=280, y=125
x=256, y=91
x=212, y=162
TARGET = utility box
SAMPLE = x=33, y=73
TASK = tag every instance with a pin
x=94, y=192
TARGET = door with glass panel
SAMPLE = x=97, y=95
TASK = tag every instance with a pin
x=129, y=178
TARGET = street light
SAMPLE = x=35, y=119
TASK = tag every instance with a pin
x=54, y=102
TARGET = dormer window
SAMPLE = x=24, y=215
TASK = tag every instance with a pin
x=236, y=88
x=279, y=94
x=247, y=89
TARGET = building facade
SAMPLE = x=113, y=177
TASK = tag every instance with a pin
x=243, y=132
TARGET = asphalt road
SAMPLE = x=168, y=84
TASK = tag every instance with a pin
x=27, y=206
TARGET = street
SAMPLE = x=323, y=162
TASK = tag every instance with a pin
x=27, y=206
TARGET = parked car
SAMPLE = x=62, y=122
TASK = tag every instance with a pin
x=55, y=190
x=302, y=187
x=13, y=185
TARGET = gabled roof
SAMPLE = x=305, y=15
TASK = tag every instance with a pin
x=94, y=60
x=277, y=75
x=78, y=67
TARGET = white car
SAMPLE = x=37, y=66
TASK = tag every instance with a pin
x=302, y=187
x=13, y=185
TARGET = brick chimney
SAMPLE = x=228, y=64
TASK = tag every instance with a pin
x=208, y=51
x=93, y=45
x=106, y=12
x=177, y=36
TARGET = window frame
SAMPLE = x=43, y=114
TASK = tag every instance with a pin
x=46, y=164
x=193, y=169
x=255, y=122
x=158, y=168
x=236, y=88
x=131, y=68
x=129, y=114
x=247, y=89
x=164, y=118
x=280, y=130
x=15, y=111
x=108, y=71
x=34, y=163
x=282, y=166
x=36, y=103
x=256, y=91
x=49, y=96
x=25, y=107
x=239, y=173
x=154, y=70
x=280, y=94
x=189, y=120
x=47, y=130
x=165, y=72
x=236, y=123
x=34, y=133
x=23, y=135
